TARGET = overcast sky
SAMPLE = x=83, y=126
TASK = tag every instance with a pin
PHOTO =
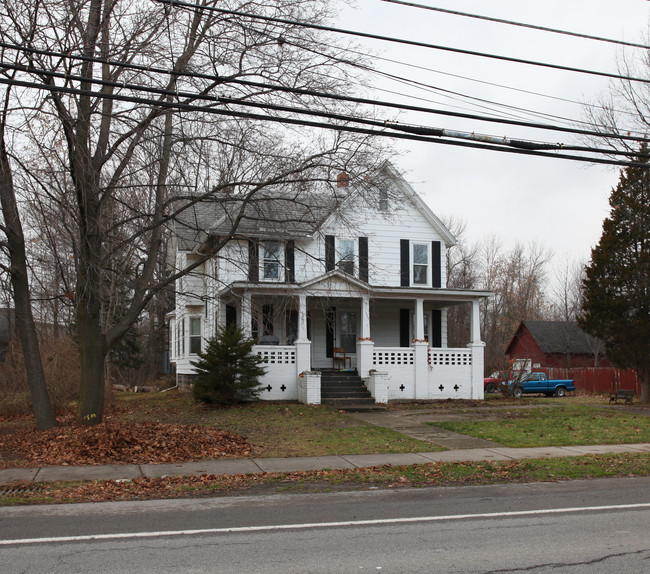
x=557, y=202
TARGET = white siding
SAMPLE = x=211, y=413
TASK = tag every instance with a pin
x=384, y=231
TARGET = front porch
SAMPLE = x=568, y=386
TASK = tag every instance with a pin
x=396, y=338
x=417, y=372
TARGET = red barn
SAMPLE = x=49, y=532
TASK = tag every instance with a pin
x=550, y=344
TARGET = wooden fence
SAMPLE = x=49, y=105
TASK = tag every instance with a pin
x=597, y=379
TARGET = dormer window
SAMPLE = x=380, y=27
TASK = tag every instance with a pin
x=272, y=261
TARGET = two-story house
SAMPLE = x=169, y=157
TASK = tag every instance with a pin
x=350, y=279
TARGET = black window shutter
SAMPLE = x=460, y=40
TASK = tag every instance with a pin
x=436, y=328
x=363, y=259
x=436, y=265
x=404, y=327
x=329, y=252
x=253, y=261
x=404, y=262
x=330, y=319
x=290, y=262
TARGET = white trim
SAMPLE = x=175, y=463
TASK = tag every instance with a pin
x=355, y=255
x=427, y=246
x=199, y=318
x=280, y=260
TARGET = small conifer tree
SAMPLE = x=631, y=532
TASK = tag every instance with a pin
x=227, y=372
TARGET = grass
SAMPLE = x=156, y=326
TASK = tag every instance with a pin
x=427, y=475
x=280, y=430
x=559, y=426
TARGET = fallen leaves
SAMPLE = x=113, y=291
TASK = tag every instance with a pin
x=120, y=443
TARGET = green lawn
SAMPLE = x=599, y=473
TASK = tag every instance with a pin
x=557, y=426
x=280, y=430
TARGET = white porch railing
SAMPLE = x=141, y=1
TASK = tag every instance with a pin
x=448, y=372
x=416, y=372
x=279, y=381
x=274, y=355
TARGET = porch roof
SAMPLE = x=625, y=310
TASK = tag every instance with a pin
x=336, y=284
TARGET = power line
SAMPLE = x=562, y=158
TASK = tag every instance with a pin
x=458, y=95
x=416, y=43
x=409, y=128
x=301, y=91
x=520, y=24
x=484, y=82
x=330, y=126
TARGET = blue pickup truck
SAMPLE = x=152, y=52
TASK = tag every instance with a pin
x=538, y=383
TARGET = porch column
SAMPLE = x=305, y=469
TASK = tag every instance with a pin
x=302, y=317
x=365, y=346
x=477, y=348
x=419, y=319
x=246, y=315
x=475, y=331
x=421, y=369
x=303, y=344
x=365, y=317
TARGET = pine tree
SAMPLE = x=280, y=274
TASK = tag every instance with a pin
x=616, y=299
x=227, y=372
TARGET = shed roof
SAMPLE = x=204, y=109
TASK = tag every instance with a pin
x=559, y=337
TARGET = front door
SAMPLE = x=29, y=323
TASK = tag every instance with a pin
x=348, y=332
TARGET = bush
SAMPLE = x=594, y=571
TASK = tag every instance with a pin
x=62, y=375
x=227, y=372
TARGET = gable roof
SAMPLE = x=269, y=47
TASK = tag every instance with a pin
x=419, y=203
x=558, y=337
x=270, y=214
x=288, y=213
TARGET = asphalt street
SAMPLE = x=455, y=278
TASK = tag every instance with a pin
x=578, y=526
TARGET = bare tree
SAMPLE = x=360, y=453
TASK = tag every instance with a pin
x=517, y=279
x=124, y=132
x=18, y=272
x=462, y=273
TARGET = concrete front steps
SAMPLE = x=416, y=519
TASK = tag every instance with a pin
x=345, y=390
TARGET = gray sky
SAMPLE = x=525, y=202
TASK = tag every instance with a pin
x=557, y=202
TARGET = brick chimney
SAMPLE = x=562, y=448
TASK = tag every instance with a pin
x=342, y=179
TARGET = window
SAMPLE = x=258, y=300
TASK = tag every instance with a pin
x=383, y=200
x=348, y=338
x=346, y=255
x=272, y=262
x=420, y=268
x=195, y=335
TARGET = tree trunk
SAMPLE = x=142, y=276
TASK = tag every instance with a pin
x=90, y=408
x=41, y=402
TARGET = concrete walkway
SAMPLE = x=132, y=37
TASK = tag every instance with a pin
x=256, y=465
x=412, y=423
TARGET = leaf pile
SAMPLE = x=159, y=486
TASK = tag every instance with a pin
x=120, y=443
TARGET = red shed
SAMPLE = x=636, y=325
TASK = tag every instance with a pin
x=551, y=344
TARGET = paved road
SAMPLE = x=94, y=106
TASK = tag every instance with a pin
x=573, y=527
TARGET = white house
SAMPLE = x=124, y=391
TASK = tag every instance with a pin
x=361, y=269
